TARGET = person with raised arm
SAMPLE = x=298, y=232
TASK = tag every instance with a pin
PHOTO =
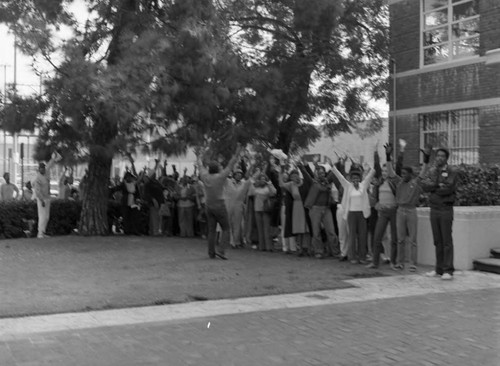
x=408, y=194
x=42, y=191
x=356, y=206
x=214, y=179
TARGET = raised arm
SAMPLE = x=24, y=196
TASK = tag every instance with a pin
x=344, y=182
x=227, y=170
x=427, y=157
x=388, y=156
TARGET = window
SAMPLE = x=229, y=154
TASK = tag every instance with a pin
x=450, y=30
x=456, y=130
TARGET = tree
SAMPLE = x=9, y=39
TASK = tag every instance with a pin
x=312, y=59
x=134, y=66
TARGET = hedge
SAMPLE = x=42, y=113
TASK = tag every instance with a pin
x=478, y=185
x=20, y=218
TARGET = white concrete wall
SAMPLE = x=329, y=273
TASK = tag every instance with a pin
x=476, y=230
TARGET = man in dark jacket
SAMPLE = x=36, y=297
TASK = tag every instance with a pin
x=442, y=184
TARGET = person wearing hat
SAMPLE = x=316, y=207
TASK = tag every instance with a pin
x=42, y=192
x=442, y=184
x=356, y=206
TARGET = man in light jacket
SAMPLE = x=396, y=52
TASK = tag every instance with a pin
x=42, y=192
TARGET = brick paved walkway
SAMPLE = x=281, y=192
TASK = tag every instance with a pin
x=406, y=320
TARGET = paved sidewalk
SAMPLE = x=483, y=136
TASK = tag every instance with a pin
x=403, y=320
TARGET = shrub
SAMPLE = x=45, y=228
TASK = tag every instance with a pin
x=20, y=218
x=478, y=185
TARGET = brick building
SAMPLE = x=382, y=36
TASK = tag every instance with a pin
x=446, y=90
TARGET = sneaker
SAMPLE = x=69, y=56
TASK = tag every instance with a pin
x=318, y=256
x=431, y=274
x=254, y=247
x=446, y=277
x=399, y=267
x=413, y=268
x=221, y=256
x=372, y=266
x=343, y=258
x=354, y=262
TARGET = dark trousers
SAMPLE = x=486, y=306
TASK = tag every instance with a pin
x=217, y=214
x=385, y=216
x=356, y=223
x=441, y=224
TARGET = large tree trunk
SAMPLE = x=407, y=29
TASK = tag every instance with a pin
x=94, y=216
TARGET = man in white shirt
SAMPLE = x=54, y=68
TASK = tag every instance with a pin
x=42, y=192
x=7, y=189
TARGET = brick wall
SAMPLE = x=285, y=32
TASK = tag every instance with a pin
x=405, y=31
x=405, y=34
x=468, y=82
x=489, y=25
x=489, y=135
x=407, y=128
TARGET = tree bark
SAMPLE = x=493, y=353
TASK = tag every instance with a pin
x=94, y=216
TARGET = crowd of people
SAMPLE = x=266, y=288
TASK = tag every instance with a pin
x=365, y=215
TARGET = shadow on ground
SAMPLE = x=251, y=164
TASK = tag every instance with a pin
x=68, y=274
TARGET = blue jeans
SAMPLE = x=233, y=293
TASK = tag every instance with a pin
x=407, y=221
x=385, y=216
x=323, y=215
x=217, y=213
x=441, y=224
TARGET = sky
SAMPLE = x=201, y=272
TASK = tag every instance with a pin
x=30, y=82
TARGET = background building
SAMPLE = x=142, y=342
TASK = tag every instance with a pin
x=446, y=58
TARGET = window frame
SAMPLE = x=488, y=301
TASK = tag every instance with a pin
x=449, y=24
x=464, y=127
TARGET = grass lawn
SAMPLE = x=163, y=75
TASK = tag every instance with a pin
x=72, y=273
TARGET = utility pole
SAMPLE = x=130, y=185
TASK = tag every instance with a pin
x=4, y=104
x=15, y=152
x=393, y=61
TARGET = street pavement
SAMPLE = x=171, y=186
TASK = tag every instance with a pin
x=396, y=320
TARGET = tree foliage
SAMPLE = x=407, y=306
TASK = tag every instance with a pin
x=190, y=71
x=312, y=59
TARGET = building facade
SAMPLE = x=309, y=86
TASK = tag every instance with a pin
x=445, y=70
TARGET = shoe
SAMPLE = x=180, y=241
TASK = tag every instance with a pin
x=372, y=266
x=412, y=268
x=221, y=256
x=386, y=261
x=361, y=261
x=343, y=258
x=432, y=274
x=394, y=267
x=354, y=262
x=399, y=267
x=319, y=256
x=447, y=277
x=254, y=247
x=212, y=256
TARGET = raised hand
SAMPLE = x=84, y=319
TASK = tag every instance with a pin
x=388, y=149
x=427, y=151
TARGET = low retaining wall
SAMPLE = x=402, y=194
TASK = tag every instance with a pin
x=476, y=229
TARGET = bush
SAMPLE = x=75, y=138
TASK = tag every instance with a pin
x=478, y=185
x=20, y=218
